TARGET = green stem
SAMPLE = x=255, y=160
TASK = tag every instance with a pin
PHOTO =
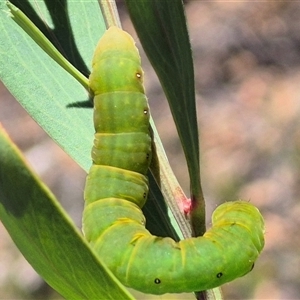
x=110, y=13
x=171, y=189
x=28, y=26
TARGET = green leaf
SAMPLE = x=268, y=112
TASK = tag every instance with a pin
x=46, y=236
x=49, y=94
x=161, y=27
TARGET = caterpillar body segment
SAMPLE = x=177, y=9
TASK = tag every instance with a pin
x=117, y=188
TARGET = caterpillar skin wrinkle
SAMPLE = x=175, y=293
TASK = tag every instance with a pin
x=117, y=188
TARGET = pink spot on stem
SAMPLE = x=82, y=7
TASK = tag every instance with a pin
x=187, y=205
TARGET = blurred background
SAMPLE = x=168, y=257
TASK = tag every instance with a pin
x=247, y=74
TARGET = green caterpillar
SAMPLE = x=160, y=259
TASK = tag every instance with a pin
x=116, y=189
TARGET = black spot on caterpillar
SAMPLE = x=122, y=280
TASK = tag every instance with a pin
x=116, y=190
